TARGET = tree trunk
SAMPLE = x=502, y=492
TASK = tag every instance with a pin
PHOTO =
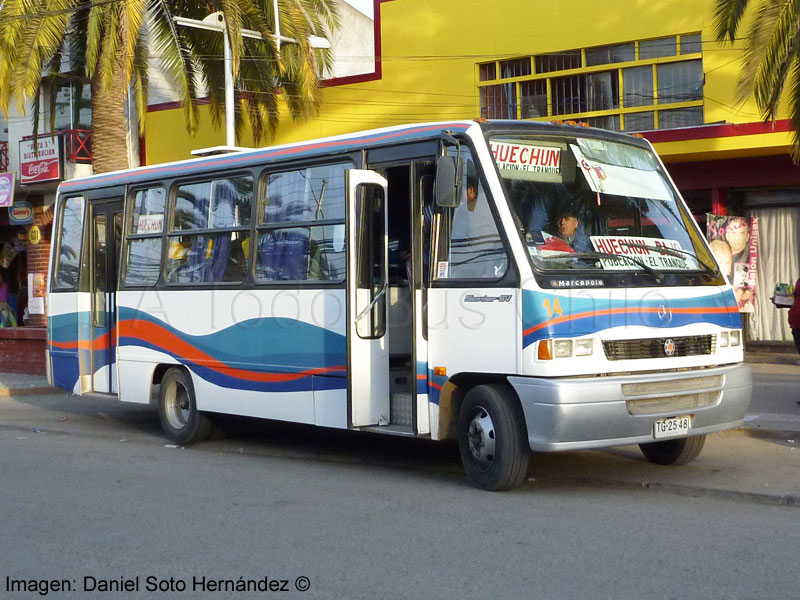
x=109, y=125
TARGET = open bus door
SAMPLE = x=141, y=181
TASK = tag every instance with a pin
x=104, y=245
x=367, y=282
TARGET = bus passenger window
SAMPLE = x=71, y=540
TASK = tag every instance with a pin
x=143, y=259
x=69, y=248
x=223, y=205
x=301, y=228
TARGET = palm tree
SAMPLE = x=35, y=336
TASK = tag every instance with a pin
x=771, y=54
x=111, y=44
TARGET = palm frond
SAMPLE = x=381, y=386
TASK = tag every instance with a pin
x=40, y=36
x=169, y=44
x=794, y=108
x=728, y=15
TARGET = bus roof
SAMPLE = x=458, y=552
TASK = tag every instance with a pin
x=342, y=143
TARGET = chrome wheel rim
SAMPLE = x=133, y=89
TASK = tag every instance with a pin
x=177, y=407
x=481, y=438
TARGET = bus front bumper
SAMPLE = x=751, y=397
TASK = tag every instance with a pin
x=580, y=413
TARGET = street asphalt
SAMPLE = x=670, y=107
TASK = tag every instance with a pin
x=760, y=462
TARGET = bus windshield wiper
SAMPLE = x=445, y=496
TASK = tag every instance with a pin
x=677, y=253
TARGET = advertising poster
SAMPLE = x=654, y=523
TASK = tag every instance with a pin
x=40, y=160
x=36, y=292
x=6, y=189
x=734, y=242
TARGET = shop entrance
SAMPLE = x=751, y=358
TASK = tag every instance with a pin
x=106, y=236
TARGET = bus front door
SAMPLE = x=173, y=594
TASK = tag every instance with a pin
x=106, y=236
x=367, y=283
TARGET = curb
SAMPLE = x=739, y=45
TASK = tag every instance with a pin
x=29, y=391
x=687, y=490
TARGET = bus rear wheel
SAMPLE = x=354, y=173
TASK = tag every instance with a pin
x=674, y=452
x=177, y=409
x=492, y=438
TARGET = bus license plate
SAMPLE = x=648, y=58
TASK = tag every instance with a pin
x=672, y=427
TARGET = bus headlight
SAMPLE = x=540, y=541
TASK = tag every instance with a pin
x=563, y=348
x=550, y=349
x=723, y=339
x=730, y=338
x=584, y=347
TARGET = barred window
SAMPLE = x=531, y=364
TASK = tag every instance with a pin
x=653, y=75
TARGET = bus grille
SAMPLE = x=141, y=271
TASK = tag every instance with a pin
x=690, y=345
x=672, y=396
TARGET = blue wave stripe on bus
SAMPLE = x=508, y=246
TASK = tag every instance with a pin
x=266, y=354
x=580, y=315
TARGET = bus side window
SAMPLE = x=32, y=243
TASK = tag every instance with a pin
x=224, y=206
x=143, y=258
x=301, y=225
x=70, y=236
x=470, y=246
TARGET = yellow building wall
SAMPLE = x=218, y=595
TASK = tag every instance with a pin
x=430, y=49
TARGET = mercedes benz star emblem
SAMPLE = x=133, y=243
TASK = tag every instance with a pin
x=664, y=313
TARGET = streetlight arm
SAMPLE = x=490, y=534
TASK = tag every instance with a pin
x=314, y=40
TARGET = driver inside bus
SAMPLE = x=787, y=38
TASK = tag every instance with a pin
x=563, y=234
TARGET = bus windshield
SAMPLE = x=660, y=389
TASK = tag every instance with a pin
x=598, y=205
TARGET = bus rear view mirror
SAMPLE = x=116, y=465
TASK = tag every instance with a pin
x=447, y=182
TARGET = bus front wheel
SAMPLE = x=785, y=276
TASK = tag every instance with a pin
x=177, y=409
x=492, y=438
x=674, y=452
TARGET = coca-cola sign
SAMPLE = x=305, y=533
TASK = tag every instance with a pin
x=40, y=161
x=6, y=189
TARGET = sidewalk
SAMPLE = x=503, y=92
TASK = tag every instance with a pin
x=19, y=384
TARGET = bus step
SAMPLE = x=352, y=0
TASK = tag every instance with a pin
x=400, y=409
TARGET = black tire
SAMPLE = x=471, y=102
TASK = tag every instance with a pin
x=492, y=438
x=674, y=452
x=177, y=409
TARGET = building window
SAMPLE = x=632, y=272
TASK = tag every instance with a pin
x=691, y=44
x=585, y=93
x=563, y=61
x=638, y=86
x=680, y=117
x=653, y=76
x=499, y=101
x=487, y=72
x=680, y=82
x=604, y=55
x=658, y=48
x=73, y=106
x=533, y=98
x=640, y=121
x=515, y=68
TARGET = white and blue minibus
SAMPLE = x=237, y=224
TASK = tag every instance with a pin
x=518, y=286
